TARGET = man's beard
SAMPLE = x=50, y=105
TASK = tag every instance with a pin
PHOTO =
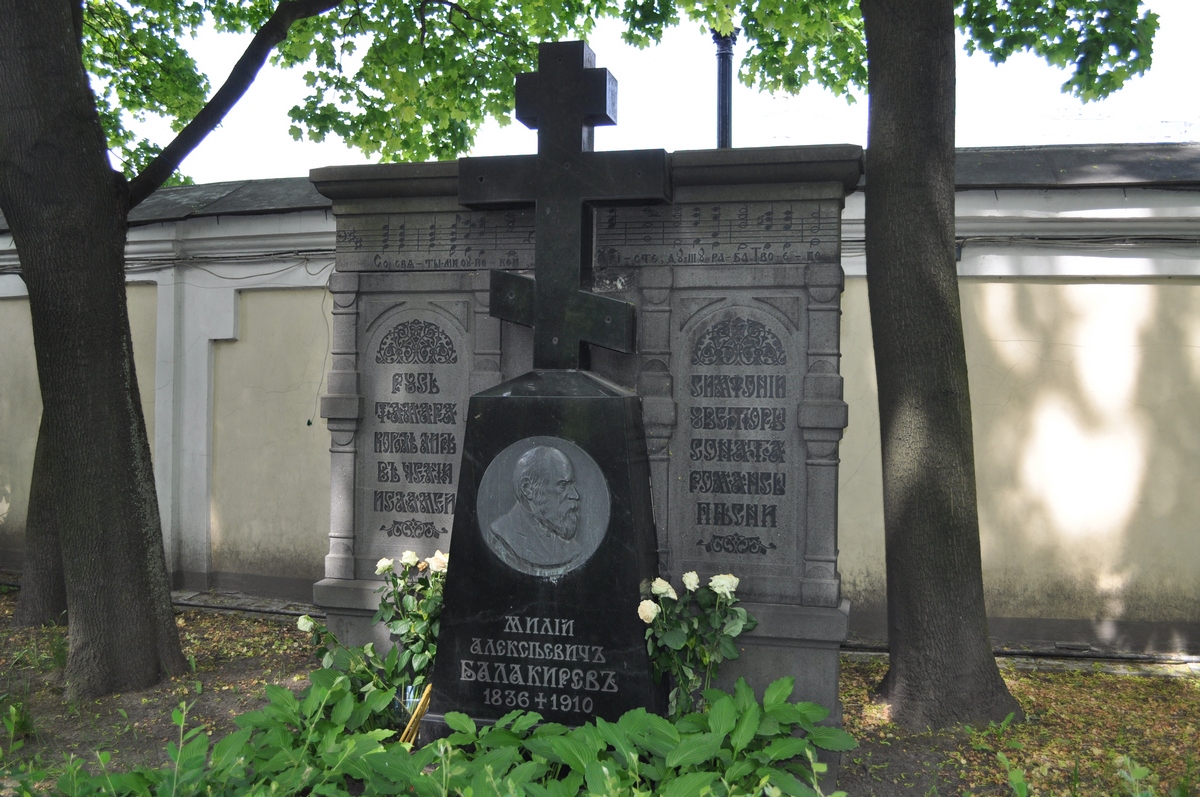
x=561, y=517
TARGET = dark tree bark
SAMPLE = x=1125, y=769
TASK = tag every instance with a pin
x=43, y=596
x=942, y=668
x=67, y=211
x=93, y=538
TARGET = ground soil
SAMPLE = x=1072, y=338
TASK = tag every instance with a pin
x=1085, y=724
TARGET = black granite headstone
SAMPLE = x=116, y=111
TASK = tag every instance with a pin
x=553, y=531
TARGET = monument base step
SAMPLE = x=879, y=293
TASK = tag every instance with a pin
x=803, y=642
x=349, y=606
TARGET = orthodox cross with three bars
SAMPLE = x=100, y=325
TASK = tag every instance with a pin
x=563, y=101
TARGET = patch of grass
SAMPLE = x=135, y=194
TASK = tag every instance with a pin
x=1084, y=729
x=235, y=657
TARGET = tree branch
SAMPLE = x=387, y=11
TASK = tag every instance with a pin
x=273, y=31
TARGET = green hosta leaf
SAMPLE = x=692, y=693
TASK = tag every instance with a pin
x=789, y=747
x=747, y=726
x=831, y=738
x=324, y=678
x=692, y=784
x=544, y=748
x=612, y=735
x=341, y=711
x=739, y=770
x=525, y=722
x=722, y=716
x=574, y=752
x=812, y=712
x=787, y=782
x=635, y=722
x=499, y=737
x=602, y=778
x=523, y=773
x=550, y=729
x=460, y=722
x=226, y=751
x=693, y=750
x=778, y=693
x=660, y=737
x=768, y=726
x=743, y=695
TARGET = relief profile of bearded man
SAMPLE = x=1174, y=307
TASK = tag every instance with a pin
x=539, y=533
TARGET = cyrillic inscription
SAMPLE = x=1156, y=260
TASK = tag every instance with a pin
x=737, y=409
x=734, y=386
x=553, y=671
x=754, y=516
x=408, y=382
x=417, y=412
x=729, y=482
x=418, y=503
x=736, y=419
x=726, y=450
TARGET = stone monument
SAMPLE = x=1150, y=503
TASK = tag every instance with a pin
x=554, y=532
x=736, y=286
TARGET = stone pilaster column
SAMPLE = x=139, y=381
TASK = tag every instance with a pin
x=655, y=388
x=822, y=417
x=486, y=371
x=342, y=409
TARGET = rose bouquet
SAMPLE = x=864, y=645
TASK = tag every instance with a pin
x=411, y=607
x=689, y=637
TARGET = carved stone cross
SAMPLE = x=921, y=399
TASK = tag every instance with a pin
x=563, y=101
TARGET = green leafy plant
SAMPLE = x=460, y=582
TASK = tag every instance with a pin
x=410, y=607
x=689, y=637
x=992, y=738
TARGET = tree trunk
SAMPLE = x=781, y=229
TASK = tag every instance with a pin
x=67, y=210
x=43, y=596
x=942, y=669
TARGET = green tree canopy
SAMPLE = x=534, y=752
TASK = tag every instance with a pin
x=414, y=80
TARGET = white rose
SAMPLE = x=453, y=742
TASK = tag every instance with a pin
x=408, y=558
x=724, y=584
x=661, y=588
x=691, y=581
x=384, y=565
x=306, y=624
x=438, y=562
x=648, y=610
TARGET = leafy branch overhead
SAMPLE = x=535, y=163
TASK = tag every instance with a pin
x=414, y=80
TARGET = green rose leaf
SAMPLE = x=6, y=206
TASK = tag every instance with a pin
x=675, y=639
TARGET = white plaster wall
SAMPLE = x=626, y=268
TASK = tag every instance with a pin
x=270, y=450
x=1087, y=447
x=21, y=403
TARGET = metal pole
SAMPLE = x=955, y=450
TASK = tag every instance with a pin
x=725, y=87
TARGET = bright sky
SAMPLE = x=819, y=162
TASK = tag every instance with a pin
x=667, y=100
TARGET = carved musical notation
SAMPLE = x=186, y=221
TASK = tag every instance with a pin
x=761, y=233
